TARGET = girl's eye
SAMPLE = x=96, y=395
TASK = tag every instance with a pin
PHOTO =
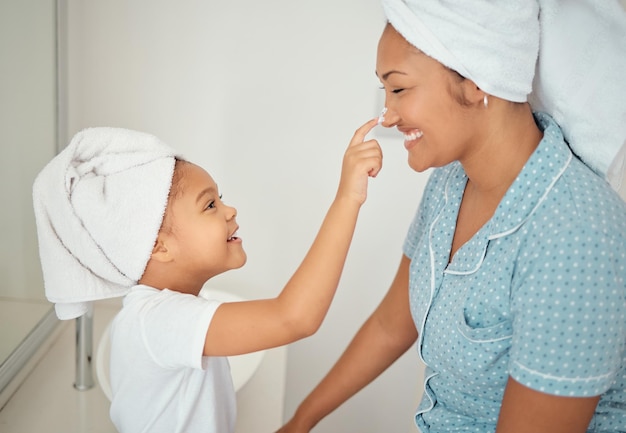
x=211, y=204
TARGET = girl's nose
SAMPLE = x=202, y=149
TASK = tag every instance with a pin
x=231, y=213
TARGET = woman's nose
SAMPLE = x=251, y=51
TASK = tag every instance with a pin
x=389, y=118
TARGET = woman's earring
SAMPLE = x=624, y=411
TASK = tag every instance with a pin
x=486, y=101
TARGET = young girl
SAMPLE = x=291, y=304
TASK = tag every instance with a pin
x=118, y=214
x=512, y=281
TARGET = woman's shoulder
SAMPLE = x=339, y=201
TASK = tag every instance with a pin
x=581, y=203
x=591, y=197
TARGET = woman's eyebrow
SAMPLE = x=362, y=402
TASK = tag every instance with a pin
x=387, y=74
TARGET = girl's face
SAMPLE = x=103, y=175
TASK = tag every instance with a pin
x=203, y=237
x=418, y=96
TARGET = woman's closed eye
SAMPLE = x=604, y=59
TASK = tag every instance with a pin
x=396, y=91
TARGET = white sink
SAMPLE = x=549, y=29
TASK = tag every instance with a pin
x=242, y=367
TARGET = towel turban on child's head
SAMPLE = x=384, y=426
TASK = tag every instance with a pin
x=99, y=205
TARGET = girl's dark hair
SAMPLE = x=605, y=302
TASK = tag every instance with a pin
x=176, y=189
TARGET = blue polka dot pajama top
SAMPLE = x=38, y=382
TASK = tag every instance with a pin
x=538, y=293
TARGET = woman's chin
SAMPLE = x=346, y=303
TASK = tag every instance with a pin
x=418, y=165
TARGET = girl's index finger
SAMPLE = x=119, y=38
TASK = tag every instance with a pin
x=361, y=133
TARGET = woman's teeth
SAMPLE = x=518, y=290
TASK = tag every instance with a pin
x=413, y=135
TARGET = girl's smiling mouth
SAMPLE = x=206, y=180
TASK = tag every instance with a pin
x=233, y=237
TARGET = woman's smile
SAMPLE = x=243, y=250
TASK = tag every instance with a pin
x=411, y=137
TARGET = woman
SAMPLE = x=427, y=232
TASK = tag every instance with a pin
x=512, y=283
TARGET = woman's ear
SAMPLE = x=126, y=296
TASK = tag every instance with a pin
x=472, y=92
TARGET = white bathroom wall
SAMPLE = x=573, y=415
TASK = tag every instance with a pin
x=27, y=141
x=27, y=136
x=266, y=96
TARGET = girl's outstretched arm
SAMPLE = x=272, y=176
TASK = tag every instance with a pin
x=298, y=311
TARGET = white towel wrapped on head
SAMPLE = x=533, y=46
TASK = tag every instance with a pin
x=581, y=77
x=99, y=205
x=494, y=43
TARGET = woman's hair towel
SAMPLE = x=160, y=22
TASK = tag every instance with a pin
x=494, y=43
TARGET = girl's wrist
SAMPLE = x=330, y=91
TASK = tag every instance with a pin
x=347, y=201
x=302, y=420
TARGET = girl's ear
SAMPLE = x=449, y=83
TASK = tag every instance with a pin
x=161, y=252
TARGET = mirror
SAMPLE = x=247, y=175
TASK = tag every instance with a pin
x=28, y=136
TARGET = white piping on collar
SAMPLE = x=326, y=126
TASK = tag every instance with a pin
x=539, y=202
x=514, y=229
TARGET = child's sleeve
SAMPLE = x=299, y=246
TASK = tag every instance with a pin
x=174, y=328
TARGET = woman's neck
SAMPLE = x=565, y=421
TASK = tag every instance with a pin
x=508, y=138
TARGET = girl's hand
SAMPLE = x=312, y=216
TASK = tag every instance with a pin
x=362, y=159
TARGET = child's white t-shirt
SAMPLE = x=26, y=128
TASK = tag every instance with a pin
x=160, y=381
